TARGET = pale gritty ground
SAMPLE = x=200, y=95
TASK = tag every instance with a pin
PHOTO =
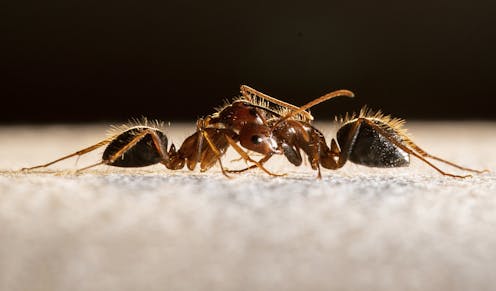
x=154, y=229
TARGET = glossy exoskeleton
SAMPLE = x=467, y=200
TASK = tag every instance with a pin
x=369, y=139
x=143, y=143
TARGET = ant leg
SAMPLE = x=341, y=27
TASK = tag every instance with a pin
x=335, y=158
x=134, y=141
x=90, y=166
x=189, y=152
x=247, y=157
x=137, y=138
x=200, y=128
x=316, y=163
x=261, y=162
x=216, y=152
x=243, y=170
x=206, y=146
x=78, y=153
x=241, y=158
x=427, y=155
x=413, y=151
x=343, y=155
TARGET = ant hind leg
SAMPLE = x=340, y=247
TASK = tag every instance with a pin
x=427, y=155
x=78, y=153
x=419, y=153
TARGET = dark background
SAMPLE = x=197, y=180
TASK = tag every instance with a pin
x=90, y=61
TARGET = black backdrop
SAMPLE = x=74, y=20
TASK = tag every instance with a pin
x=98, y=60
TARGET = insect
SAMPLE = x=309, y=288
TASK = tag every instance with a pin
x=368, y=138
x=268, y=126
x=144, y=143
x=243, y=121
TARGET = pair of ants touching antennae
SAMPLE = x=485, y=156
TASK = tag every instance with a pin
x=256, y=122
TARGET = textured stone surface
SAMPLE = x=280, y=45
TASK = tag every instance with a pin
x=154, y=229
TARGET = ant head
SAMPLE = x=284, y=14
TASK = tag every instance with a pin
x=239, y=113
x=258, y=138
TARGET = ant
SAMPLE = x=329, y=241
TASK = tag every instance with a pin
x=244, y=121
x=144, y=143
x=368, y=138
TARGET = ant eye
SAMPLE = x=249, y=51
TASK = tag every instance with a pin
x=256, y=139
x=253, y=112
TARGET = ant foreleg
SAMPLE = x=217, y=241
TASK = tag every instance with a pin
x=261, y=162
x=241, y=158
x=249, y=159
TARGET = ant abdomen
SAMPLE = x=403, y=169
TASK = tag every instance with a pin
x=367, y=146
x=138, y=146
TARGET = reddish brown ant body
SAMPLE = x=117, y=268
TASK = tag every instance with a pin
x=268, y=126
x=243, y=121
x=369, y=139
x=143, y=144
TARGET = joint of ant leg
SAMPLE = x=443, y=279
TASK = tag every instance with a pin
x=201, y=124
x=224, y=172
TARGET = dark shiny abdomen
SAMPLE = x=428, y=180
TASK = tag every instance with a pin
x=372, y=149
x=142, y=154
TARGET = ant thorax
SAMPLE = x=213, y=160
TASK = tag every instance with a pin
x=236, y=115
x=240, y=113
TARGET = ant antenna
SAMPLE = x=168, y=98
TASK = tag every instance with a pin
x=337, y=93
x=247, y=90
